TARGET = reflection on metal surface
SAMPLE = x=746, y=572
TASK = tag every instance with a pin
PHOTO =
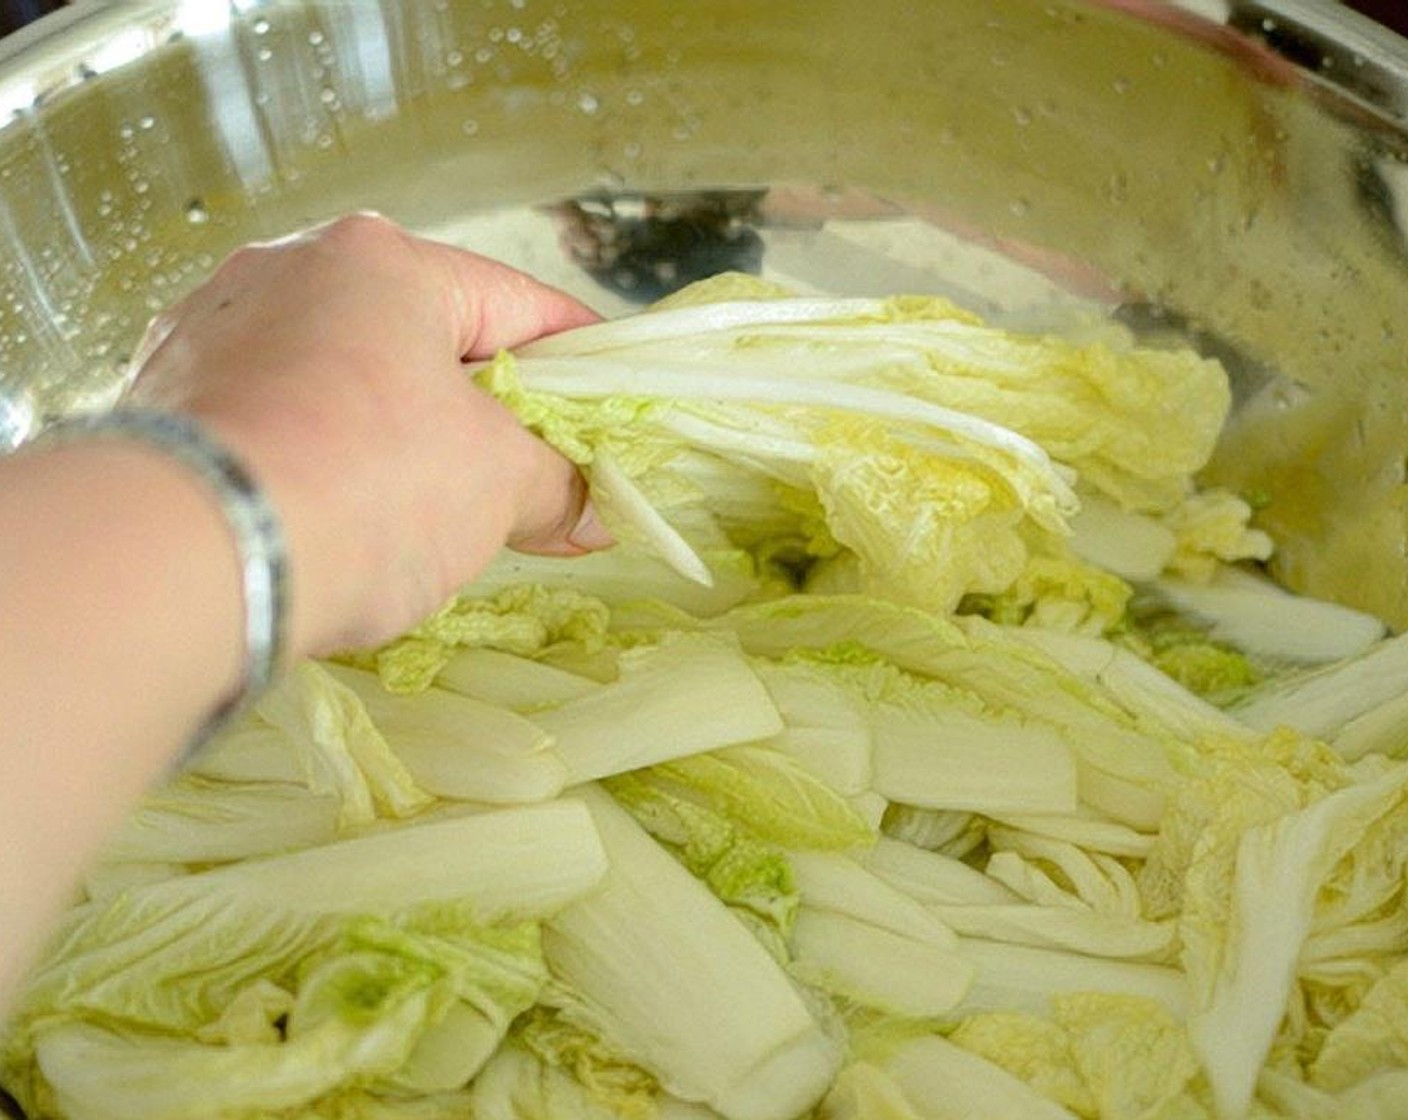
x=1331, y=46
x=233, y=105
x=644, y=247
x=17, y=419
x=1152, y=323
x=1381, y=182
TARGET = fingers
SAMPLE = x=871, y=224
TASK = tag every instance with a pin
x=497, y=307
x=555, y=516
x=490, y=306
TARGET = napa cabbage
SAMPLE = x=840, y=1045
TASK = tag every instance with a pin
x=929, y=746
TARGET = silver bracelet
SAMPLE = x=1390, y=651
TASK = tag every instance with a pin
x=253, y=521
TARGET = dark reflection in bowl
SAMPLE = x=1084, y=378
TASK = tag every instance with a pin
x=643, y=247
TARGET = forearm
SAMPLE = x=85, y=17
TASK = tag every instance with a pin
x=122, y=630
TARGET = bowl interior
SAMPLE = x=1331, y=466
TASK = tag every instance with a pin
x=1239, y=182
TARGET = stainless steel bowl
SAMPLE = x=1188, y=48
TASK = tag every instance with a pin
x=1236, y=172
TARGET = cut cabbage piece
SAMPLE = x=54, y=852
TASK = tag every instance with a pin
x=689, y=694
x=1258, y=617
x=1320, y=703
x=659, y=967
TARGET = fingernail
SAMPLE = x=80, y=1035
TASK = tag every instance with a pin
x=589, y=534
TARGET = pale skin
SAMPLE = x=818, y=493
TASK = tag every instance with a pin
x=330, y=364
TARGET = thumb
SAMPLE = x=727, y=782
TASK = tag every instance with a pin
x=556, y=516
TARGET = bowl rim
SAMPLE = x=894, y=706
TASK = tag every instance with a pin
x=1331, y=44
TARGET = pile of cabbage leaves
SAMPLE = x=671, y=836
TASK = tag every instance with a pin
x=931, y=745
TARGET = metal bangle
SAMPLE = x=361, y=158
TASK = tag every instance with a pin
x=254, y=524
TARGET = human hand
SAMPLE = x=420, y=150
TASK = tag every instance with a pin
x=330, y=363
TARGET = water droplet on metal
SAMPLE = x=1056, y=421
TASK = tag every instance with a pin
x=260, y=26
x=1022, y=115
x=196, y=213
x=588, y=102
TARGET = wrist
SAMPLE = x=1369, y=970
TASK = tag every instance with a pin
x=316, y=503
x=251, y=524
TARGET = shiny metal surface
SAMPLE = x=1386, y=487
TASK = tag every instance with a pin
x=1235, y=171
